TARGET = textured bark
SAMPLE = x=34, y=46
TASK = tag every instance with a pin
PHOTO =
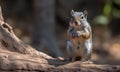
x=1, y=17
x=10, y=42
x=16, y=56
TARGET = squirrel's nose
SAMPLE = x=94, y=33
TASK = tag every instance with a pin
x=78, y=23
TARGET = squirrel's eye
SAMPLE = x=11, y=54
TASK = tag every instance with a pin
x=81, y=17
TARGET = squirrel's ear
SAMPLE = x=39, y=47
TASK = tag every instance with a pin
x=72, y=12
x=85, y=13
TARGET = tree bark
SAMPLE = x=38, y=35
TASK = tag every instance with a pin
x=1, y=17
x=11, y=42
x=44, y=27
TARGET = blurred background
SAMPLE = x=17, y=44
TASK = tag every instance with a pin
x=43, y=24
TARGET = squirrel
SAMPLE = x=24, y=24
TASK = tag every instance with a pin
x=79, y=37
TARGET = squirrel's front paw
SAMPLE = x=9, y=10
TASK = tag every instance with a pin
x=78, y=33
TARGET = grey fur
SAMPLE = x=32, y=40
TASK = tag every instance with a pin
x=81, y=42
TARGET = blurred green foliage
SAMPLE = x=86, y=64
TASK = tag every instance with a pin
x=117, y=1
x=109, y=11
x=116, y=13
x=107, y=8
x=101, y=19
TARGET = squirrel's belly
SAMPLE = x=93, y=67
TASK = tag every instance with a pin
x=78, y=49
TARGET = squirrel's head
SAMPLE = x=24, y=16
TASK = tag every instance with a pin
x=78, y=18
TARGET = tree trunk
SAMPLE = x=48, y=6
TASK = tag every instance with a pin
x=44, y=27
